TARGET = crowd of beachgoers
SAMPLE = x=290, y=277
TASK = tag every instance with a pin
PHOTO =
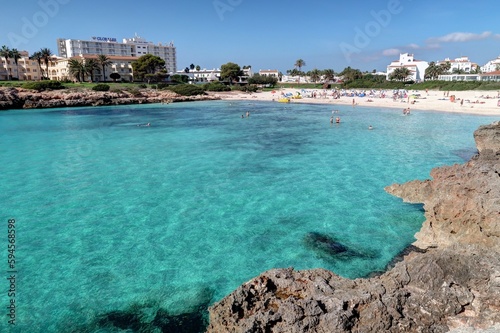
x=471, y=101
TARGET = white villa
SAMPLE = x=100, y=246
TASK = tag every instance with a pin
x=462, y=64
x=406, y=60
x=491, y=66
x=270, y=72
x=209, y=75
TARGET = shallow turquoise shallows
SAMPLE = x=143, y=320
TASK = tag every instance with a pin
x=109, y=213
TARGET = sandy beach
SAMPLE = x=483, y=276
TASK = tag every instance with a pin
x=469, y=102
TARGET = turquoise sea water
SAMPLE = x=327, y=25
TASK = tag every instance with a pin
x=110, y=214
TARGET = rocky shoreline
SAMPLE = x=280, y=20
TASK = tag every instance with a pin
x=449, y=282
x=18, y=98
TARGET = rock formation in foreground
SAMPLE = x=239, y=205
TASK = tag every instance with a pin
x=451, y=282
x=18, y=98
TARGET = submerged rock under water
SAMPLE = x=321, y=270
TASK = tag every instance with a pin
x=323, y=244
x=327, y=248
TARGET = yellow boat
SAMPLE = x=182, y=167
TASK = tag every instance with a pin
x=284, y=100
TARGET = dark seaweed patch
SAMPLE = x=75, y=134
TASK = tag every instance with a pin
x=149, y=316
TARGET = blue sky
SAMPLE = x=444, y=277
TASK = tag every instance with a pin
x=268, y=34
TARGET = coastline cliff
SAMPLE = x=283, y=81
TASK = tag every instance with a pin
x=449, y=279
x=18, y=98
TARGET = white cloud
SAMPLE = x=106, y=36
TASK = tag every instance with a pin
x=391, y=52
x=460, y=37
x=433, y=46
x=414, y=46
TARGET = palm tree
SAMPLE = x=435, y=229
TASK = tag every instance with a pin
x=351, y=74
x=104, y=61
x=457, y=71
x=476, y=70
x=90, y=66
x=400, y=74
x=315, y=75
x=38, y=57
x=45, y=54
x=16, y=56
x=6, y=53
x=329, y=75
x=191, y=68
x=300, y=63
x=198, y=68
x=445, y=67
x=76, y=69
x=432, y=71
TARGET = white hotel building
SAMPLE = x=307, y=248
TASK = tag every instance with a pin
x=129, y=47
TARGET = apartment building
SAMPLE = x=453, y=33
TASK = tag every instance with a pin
x=30, y=70
x=26, y=69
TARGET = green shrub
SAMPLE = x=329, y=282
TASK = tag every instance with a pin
x=134, y=91
x=142, y=86
x=153, y=86
x=187, y=90
x=101, y=87
x=245, y=88
x=43, y=85
x=216, y=86
x=162, y=85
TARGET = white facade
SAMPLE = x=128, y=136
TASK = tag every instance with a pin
x=491, y=65
x=406, y=60
x=462, y=64
x=210, y=75
x=490, y=76
x=270, y=72
x=130, y=47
